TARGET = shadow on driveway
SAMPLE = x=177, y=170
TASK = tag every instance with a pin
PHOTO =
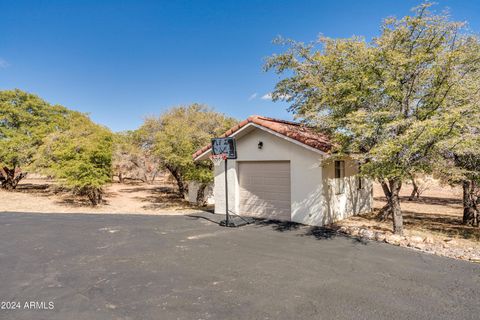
x=319, y=233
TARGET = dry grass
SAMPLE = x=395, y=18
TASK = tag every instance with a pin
x=40, y=195
x=437, y=213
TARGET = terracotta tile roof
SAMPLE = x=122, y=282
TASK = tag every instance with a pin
x=292, y=130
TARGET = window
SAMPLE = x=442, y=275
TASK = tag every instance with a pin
x=359, y=183
x=359, y=177
x=339, y=177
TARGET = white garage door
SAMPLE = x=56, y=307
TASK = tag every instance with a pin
x=265, y=189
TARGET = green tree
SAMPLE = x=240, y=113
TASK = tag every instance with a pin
x=388, y=102
x=459, y=164
x=80, y=156
x=177, y=134
x=25, y=120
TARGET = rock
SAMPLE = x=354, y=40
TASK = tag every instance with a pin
x=475, y=258
x=450, y=241
x=419, y=246
x=368, y=234
x=403, y=242
x=428, y=240
x=343, y=229
x=457, y=253
x=429, y=249
x=379, y=236
x=416, y=239
x=442, y=252
x=354, y=232
x=394, y=239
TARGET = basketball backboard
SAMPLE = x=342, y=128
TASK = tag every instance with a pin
x=224, y=146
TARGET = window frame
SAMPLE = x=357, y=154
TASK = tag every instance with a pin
x=360, y=182
x=339, y=174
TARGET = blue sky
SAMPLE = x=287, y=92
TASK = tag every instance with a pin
x=123, y=60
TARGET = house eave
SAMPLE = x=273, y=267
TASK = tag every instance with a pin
x=249, y=126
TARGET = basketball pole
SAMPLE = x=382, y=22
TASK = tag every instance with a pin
x=226, y=196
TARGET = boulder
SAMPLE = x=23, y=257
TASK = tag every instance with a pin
x=394, y=239
x=380, y=236
x=429, y=249
x=354, y=232
x=450, y=241
x=475, y=258
x=416, y=245
x=403, y=242
x=343, y=229
x=415, y=239
x=428, y=240
x=368, y=234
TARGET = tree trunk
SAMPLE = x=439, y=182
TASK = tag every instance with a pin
x=395, y=186
x=471, y=210
x=9, y=178
x=182, y=188
x=94, y=195
x=145, y=177
x=391, y=189
x=414, y=191
x=386, y=210
x=201, y=200
x=154, y=175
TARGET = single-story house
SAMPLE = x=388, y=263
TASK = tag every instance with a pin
x=284, y=171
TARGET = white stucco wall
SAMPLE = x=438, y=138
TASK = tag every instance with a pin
x=312, y=200
x=352, y=201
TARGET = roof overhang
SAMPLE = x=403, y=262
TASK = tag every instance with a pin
x=250, y=127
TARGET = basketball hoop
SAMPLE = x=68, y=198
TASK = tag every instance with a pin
x=218, y=158
x=222, y=150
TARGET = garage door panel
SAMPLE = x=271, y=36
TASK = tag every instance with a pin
x=274, y=195
x=273, y=201
x=279, y=197
x=276, y=181
x=271, y=166
x=265, y=189
x=277, y=186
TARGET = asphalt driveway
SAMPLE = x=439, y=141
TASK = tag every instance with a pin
x=179, y=267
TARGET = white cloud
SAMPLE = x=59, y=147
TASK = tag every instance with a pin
x=3, y=63
x=253, y=96
x=267, y=96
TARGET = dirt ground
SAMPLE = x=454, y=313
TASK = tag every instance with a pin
x=41, y=195
x=436, y=214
